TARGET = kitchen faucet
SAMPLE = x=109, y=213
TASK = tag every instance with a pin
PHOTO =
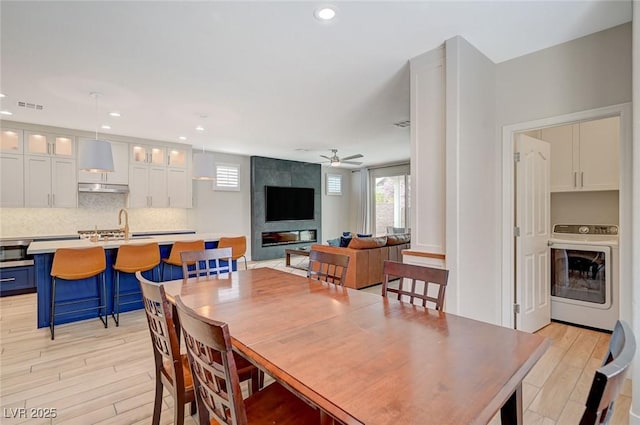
x=126, y=222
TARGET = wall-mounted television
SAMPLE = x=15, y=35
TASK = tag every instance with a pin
x=288, y=203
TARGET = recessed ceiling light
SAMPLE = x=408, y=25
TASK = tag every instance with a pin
x=106, y=127
x=114, y=114
x=6, y=113
x=200, y=128
x=325, y=13
x=182, y=138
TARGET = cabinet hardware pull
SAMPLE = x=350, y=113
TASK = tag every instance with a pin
x=582, y=179
x=7, y=279
x=575, y=179
x=48, y=199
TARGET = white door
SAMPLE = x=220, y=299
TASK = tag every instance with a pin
x=533, y=221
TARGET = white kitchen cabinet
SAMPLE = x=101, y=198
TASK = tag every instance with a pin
x=11, y=141
x=145, y=154
x=50, y=145
x=50, y=182
x=11, y=180
x=147, y=186
x=178, y=193
x=584, y=156
x=177, y=157
x=120, y=175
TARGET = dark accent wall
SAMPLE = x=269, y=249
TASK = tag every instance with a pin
x=279, y=172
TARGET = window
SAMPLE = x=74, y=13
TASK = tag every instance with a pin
x=334, y=184
x=227, y=177
x=390, y=201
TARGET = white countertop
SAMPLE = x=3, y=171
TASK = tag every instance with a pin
x=43, y=247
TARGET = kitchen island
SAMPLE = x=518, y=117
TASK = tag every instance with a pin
x=43, y=252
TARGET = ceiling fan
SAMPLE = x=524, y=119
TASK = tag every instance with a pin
x=335, y=161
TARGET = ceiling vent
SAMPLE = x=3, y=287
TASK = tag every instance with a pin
x=402, y=124
x=30, y=105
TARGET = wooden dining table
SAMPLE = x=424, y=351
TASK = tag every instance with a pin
x=366, y=359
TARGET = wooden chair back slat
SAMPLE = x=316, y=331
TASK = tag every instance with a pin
x=417, y=274
x=328, y=267
x=609, y=378
x=204, y=264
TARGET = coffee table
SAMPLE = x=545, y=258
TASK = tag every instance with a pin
x=295, y=251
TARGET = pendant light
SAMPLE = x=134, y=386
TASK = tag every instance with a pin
x=203, y=166
x=95, y=155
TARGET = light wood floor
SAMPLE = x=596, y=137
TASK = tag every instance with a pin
x=92, y=375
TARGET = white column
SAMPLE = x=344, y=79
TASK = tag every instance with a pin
x=634, y=414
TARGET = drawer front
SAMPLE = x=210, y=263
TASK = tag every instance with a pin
x=15, y=279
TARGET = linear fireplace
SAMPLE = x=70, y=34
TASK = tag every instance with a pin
x=287, y=237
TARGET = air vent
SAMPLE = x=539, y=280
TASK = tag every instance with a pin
x=30, y=105
x=402, y=124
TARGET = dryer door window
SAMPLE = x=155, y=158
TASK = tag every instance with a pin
x=581, y=275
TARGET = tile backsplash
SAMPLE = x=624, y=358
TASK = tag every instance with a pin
x=94, y=209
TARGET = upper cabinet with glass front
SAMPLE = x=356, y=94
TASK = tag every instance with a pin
x=177, y=157
x=11, y=140
x=47, y=144
x=145, y=154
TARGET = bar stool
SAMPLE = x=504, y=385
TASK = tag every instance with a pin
x=131, y=259
x=238, y=247
x=75, y=264
x=174, y=256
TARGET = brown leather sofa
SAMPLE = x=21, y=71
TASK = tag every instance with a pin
x=366, y=257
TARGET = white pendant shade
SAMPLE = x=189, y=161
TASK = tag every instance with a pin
x=203, y=166
x=95, y=156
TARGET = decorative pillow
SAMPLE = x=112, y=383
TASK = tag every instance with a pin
x=344, y=242
x=368, y=243
x=398, y=239
x=360, y=235
x=346, y=234
x=334, y=242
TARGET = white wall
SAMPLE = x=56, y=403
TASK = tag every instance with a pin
x=634, y=415
x=223, y=211
x=336, y=209
x=472, y=182
x=599, y=207
x=586, y=73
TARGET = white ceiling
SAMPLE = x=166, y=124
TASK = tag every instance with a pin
x=263, y=78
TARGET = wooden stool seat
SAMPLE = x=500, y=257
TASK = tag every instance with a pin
x=131, y=259
x=76, y=264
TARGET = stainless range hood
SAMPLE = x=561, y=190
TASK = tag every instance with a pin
x=103, y=188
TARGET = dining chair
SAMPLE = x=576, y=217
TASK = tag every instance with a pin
x=205, y=263
x=71, y=264
x=610, y=377
x=328, y=267
x=216, y=379
x=171, y=367
x=131, y=259
x=417, y=274
x=174, y=255
x=238, y=246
